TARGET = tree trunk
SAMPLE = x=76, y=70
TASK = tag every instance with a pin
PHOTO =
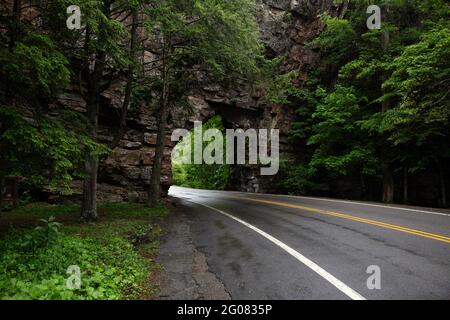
x=363, y=187
x=344, y=9
x=155, y=182
x=154, y=193
x=388, y=184
x=405, y=185
x=129, y=85
x=388, y=176
x=89, y=204
x=2, y=184
x=17, y=12
x=443, y=186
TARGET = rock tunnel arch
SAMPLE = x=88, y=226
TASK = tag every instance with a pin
x=124, y=175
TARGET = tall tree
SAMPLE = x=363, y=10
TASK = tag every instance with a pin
x=388, y=171
x=103, y=55
x=420, y=122
x=33, y=71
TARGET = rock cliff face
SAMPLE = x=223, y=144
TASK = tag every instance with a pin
x=286, y=25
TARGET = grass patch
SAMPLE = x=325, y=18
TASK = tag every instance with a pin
x=130, y=210
x=41, y=210
x=114, y=254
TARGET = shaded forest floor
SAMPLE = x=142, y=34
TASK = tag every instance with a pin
x=115, y=256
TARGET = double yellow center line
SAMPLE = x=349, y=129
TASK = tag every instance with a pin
x=358, y=219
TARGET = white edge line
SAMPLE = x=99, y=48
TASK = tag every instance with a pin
x=310, y=264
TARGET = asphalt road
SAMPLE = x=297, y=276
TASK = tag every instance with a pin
x=281, y=247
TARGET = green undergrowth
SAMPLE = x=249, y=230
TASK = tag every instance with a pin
x=114, y=255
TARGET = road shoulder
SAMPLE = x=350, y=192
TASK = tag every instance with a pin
x=184, y=274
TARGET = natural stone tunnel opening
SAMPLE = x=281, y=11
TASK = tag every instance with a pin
x=224, y=176
x=240, y=177
x=187, y=171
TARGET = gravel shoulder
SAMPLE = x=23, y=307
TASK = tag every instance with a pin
x=184, y=273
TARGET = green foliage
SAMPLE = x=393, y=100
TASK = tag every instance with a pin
x=221, y=35
x=34, y=263
x=201, y=176
x=338, y=43
x=298, y=179
x=41, y=236
x=420, y=81
x=342, y=146
x=27, y=147
x=282, y=90
x=336, y=113
x=106, y=270
x=105, y=32
x=34, y=70
x=375, y=102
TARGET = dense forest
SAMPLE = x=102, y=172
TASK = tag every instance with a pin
x=373, y=118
